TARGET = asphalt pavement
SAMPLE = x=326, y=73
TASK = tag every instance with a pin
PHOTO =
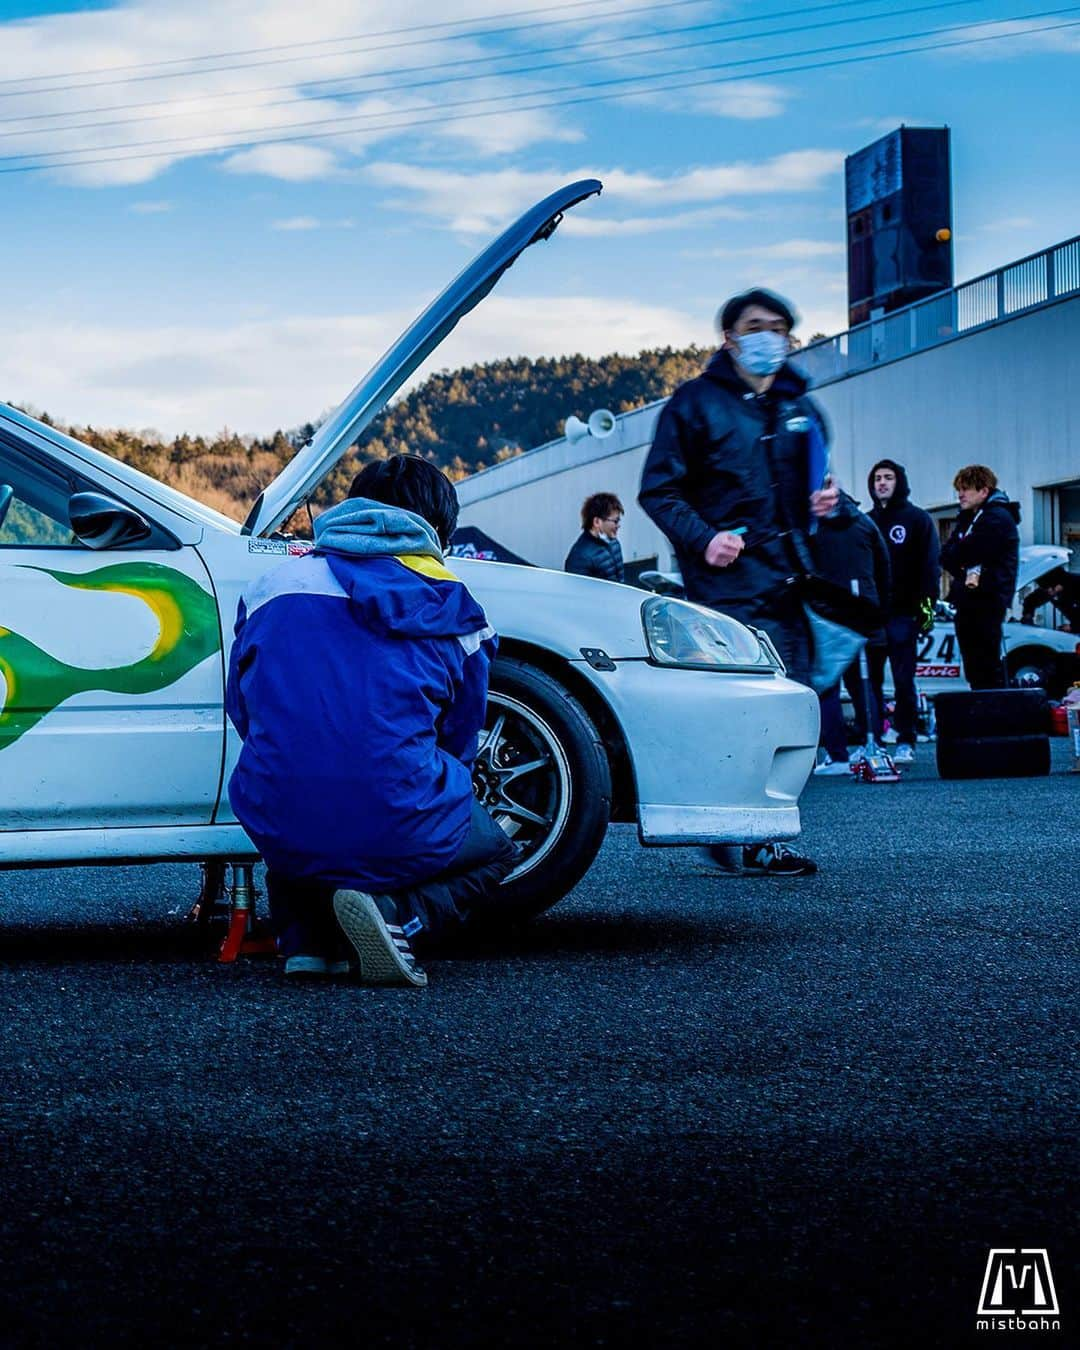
x=682, y=1108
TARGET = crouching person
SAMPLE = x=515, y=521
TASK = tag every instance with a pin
x=358, y=682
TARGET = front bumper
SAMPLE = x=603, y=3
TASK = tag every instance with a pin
x=717, y=758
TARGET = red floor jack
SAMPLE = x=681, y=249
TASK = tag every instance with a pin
x=875, y=765
x=245, y=935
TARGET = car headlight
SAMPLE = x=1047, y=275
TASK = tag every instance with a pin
x=681, y=634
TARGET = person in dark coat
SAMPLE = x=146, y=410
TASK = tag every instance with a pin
x=729, y=482
x=983, y=556
x=597, y=551
x=727, y=479
x=912, y=540
x=849, y=551
x=1060, y=588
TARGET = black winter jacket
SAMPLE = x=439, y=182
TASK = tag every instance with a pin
x=847, y=547
x=724, y=458
x=987, y=538
x=591, y=557
x=912, y=538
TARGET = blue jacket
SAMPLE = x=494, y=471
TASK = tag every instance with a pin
x=358, y=682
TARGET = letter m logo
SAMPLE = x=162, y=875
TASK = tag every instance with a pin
x=1018, y=1280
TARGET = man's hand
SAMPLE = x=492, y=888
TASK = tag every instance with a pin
x=825, y=501
x=723, y=548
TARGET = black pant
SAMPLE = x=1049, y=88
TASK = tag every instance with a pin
x=902, y=638
x=783, y=619
x=468, y=890
x=833, y=727
x=301, y=908
x=978, y=632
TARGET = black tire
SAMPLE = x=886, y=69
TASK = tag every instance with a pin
x=994, y=757
x=557, y=809
x=1036, y=667
x=986, y=713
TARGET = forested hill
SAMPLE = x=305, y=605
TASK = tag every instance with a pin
x=463, y=420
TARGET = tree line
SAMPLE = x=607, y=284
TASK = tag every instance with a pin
x=462, y=420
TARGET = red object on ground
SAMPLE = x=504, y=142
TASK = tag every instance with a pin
x=244, y=939
x=1059, y=720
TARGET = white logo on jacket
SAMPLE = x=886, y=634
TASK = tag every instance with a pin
x=898, y=533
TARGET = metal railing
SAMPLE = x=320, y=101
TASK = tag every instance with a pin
x=1025, y=285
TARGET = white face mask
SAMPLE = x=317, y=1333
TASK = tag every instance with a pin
x=761, y=353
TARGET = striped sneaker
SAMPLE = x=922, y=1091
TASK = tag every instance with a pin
x=370, y=922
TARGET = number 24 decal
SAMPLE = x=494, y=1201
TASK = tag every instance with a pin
x=945, y=651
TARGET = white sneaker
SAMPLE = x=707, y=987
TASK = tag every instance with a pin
x=857, y=755
x=831, y=768
x=890, y=737
x=905, y=754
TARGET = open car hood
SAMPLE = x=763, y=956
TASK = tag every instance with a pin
x=314, y=461
x=1038, y=559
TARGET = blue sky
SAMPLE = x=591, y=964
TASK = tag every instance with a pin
x=164, y=271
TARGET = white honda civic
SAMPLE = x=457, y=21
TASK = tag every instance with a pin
x=117, y=601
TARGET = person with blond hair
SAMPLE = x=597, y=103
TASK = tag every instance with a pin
x=982, y=555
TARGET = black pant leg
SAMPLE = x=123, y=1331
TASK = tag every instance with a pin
x=853, y=683
x=833, y=728
x=903, y=638
x=783, y=619
x=979, y=636
x=468, y=888
x=302, y=915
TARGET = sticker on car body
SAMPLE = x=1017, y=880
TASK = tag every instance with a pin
x=37, y=682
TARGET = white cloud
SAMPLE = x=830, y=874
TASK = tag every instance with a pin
x=888, y=123
x=296, y=223
x=257, y=376
x=789, y=250
x=477, y=203
x=150, y=208
x=1007, y=225
x=1016, y=38
x=91, y=67
x=743, y=100
x=293, y=163
x=588, y=228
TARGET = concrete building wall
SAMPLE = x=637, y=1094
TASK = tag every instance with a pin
x=1007, y=396
x=1004, y=396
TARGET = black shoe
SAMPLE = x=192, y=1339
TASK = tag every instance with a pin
x=760, y=860
x=371, y=924
x=776, y=860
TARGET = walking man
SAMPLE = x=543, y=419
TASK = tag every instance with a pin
x=983, y=556
x=912, y=539
x=597, y=551
x=727, y=480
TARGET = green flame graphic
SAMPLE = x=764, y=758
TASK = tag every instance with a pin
x=187, y=634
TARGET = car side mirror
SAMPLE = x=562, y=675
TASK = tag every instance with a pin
x=101, y=522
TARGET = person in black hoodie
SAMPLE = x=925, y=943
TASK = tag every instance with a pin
x=849, y=551
x=728, y=481
x=912, y=538
x=983, y=556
